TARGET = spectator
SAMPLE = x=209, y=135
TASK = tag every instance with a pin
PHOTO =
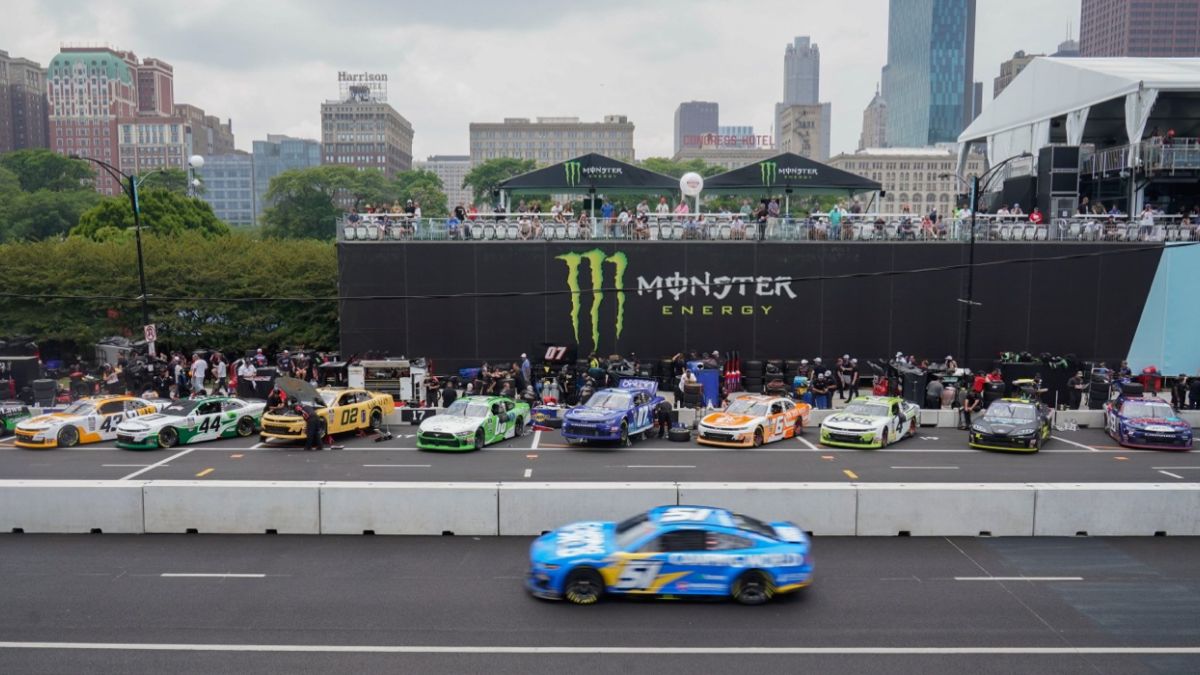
x=846, y=373
x=933, y=393
x=773, y=208
x=220, y=373
x=1016, y=210
x=353, y=218
x=835, y=222
x=301, y=367
x=1179, y=392
x=521, y=208
x=854, y=375
x=452, y=224
x=606, y=216
x=449, y=393
x=746, y=211
x=1146, y=224
x=1036, y=216
x=198, y=370
x=525, y=230
x=284, y=363
x=409, y=209
x=460, y=212
x=568, y=211
x=737, y=229
x=162, y=383
x=623, y=223
x=662, y=210
x=526, y=368
x=585, y=230
x=244, y=372
x=971, y=405
x=535, y=227
x=681, y=209
x=260, y=359
x=417, y=210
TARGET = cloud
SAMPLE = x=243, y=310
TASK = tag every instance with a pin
x=268, y=64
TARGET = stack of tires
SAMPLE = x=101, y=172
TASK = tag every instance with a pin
x=1098, y=391
x=1132, y=389
x=693, y=395
x=752, y=376
x=666, y=377
x=43, y=392
x=992, y=391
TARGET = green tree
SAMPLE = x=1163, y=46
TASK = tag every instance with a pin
x=484, y=178
x=43, y=214
x=10, y=185
x=45, y=170
x=162, y=212
x=172, y=180
x=677, y=169
x=302, y=202
x=425, y=188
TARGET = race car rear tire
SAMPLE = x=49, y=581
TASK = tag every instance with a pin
x=479, y=439
x=679, y=434
x=519, y=428
x=883, y=439
x=376, y=419
x=68, y=436
x=625, y=434
x=245, y=426
x=168, y=437
x=912, y=428
x=753, y=588
x=584, y=587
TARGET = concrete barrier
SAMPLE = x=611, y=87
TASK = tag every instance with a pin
x=820, y=508
x=1117, y=509
x=533, y=508
x=71, y=506
x=232, y=507
x=937, y=509
x=1084, y=419
x=410, y=508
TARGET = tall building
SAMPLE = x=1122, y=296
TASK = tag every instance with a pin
x=229, y=186
x=209, y=135
x=1010, y=69
x=451, y=169
x=694, y=120
x=23, y=117
x=1142, y=28
x=911, y=176
x=1067, y=49
x=801, y=78
x=364, y=131
x=929, y=80
x=275, y=155
x=552, y=139
x=107, y=105
x=728, y=158
x=801, y=131
x=874, y=131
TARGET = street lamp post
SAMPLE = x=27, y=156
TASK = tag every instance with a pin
x=195, y=163
x=975, y=183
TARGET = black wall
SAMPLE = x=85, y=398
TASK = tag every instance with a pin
x=1089, y=306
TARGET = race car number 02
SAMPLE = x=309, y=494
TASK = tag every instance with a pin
x=638, y=577
x=350, y=416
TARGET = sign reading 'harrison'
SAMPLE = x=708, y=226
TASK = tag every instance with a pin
x=343, y=76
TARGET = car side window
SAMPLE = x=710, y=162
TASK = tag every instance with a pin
x=509, y=405
x=347, y=399
x=497, y=409
x=776, y=408
x=134, y=405
x=676, y=541
x=231, y=405
x=788, y=405
x=723, y=541
x=209, y=408
x=112, y=407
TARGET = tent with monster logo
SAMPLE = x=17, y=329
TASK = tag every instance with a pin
x=790, y=174
x=590, y=174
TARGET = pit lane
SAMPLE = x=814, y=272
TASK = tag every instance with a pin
x=937, y=455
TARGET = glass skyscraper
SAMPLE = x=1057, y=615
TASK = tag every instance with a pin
x=274, y=156
x=929, y=79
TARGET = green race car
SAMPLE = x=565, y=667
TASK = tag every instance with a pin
x=192, y=421
x=871, y=422
x=11, y=414
x=473, y=422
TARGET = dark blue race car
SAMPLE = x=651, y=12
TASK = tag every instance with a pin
x=1137, y=422
x=671, y=551
x=614, y=414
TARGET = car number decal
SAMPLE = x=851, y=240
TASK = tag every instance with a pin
x=638, y=576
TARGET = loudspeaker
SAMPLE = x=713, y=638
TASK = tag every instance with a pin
x=1058, y=158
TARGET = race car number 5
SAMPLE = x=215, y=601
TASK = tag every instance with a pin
x=685, y=514
x=638, y=577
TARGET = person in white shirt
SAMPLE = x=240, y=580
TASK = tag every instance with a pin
x=662, y=208
x=244, y=372
x=221, y=374
x=199, y=368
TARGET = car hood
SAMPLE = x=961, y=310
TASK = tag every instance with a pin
x=590, y=539
x=450, y=423
x=155, y=421
x=298, y=389
x=854, y=422
x=48, y=421
x=1160, y=424
x=1005, y=427
x=726, y=420
x=592, y=414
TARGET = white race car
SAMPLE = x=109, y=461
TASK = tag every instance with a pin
x=88, y=420
x=192, y=421
x=871, y=422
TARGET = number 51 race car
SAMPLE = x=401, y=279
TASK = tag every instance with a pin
x=671, y=550
x=614, y=414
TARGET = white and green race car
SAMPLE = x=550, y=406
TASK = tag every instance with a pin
x=192, y=421
x=871, y=422
x=472, y=422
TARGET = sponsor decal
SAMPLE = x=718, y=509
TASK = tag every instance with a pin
x=580, y=539
x=596, y=260
x=737, y=560
x=573, y=172
x=770, y=173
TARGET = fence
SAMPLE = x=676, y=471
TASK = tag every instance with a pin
x=1151, y=156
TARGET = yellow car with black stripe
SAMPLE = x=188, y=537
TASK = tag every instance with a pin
x=88, y=420
x=1012, y=424
x=338, y=410
x=671, y=551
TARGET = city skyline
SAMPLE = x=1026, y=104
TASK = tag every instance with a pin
x=274, y=81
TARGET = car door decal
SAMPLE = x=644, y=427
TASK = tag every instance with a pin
x=638, y=575
x=110, y=422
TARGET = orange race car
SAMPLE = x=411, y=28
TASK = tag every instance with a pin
x=753, y=419
x=88, y=420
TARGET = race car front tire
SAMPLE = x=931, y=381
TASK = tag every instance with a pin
x=519, y=428
x=758, y=437
x=245, y=426
x=168, y=437
x=68, y=436
x=376, y=419
x=624, y=434
x=753, y=588
x=479, y=439
x=883, y=439
x=679, y=434
x=584, y=587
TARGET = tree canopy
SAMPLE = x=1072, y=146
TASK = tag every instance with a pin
x=484, y=178
x=162, y=212
x=45, y=170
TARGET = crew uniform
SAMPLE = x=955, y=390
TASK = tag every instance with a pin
x=312, y=436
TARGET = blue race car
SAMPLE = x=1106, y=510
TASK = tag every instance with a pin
x=671, y=550
x=1137, y=422
x=614, y=414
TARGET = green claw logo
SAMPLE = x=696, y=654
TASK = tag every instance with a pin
x=770, y=172
x=574, y=172
x=596, y=260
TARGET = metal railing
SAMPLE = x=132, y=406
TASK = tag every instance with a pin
x=719, y=227
x=1151, y=156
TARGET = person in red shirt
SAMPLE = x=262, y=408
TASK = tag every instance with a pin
x=1035, y=217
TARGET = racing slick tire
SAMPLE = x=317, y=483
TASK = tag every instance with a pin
x=883, y=439
x=758, y=437
x=479, y=439
x=519, y=428
x=753, y=588
x=625, y=442
x=799, y=428
x=168, y=437
x=912, y=428
x=68, y=436
x=679, y=434
x=583, y=587
x=245, y=426
x=376, y=419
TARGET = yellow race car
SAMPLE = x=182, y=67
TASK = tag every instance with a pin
x=88, y=420
x=338, y=410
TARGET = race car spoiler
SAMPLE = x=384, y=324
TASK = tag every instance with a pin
x=639, y=384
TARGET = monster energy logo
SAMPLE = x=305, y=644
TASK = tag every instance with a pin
x=769, y=172
x=596, y=260
x=574, y=172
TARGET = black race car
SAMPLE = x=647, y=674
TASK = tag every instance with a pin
x=12, y=413
x=1014, y=424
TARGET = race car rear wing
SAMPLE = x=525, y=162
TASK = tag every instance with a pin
x=639, y=384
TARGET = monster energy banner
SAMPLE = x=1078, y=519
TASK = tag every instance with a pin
x=591, y=172
x=492, y=301
x=789, y=171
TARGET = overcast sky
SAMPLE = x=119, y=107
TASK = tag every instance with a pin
x=268, y=64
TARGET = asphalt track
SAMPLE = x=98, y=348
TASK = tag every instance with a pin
x=435, y=605
x=935, y=456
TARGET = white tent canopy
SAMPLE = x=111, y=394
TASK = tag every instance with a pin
x=1019, y=120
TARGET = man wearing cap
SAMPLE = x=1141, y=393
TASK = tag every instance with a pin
x=951, y=364
x=526, y=369
x=851, y=373
x=843, y=376
x=260, y=359
x=1075, y=389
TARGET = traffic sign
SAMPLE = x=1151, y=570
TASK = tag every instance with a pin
x=150, y=333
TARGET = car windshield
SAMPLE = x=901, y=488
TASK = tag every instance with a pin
x=329, y=397
x=1011, y=411
x=747, y=406
x=609, y=400
x=866, y=410
x=180, y=408
x=753, y=525
x=80, y=408
x=463, y=408
x=631, y=530
x=1152, y=410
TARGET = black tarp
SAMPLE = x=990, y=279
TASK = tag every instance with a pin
x=591, y=173
x=789, y=172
